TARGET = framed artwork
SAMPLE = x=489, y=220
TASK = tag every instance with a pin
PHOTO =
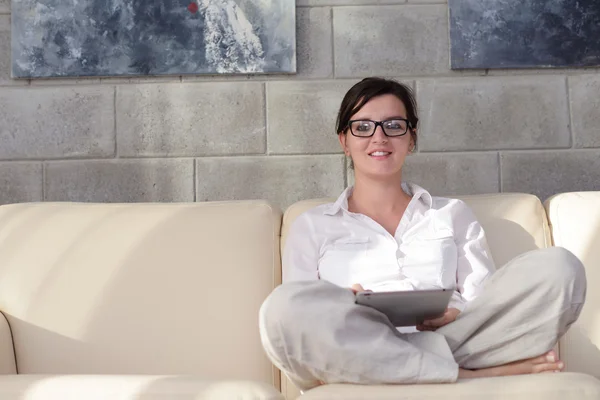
x=73, y=38
x=524, y=33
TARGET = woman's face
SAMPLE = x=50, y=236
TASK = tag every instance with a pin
x=378, y=156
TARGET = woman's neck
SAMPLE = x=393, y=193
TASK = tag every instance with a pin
x=378, y=197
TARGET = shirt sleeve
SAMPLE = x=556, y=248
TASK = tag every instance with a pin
x=300, y=260
x=475, y=264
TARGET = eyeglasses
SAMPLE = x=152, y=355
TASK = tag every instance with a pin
x=390, y=127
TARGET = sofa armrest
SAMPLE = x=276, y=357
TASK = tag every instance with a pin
x=8, y=363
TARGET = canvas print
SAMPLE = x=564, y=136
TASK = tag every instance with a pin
x=524, y=33
x=62, y=38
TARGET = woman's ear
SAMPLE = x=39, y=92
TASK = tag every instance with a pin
x=413, y=144
x=342, y=139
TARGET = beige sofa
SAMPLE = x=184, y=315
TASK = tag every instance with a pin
x=160, y=301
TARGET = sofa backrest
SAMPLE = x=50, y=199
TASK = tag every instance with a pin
x=144, y=288
x=514, y=224
x=575, y=225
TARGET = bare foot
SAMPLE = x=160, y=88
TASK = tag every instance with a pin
x=546, y=363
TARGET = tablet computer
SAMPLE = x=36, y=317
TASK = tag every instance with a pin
x=407, y=308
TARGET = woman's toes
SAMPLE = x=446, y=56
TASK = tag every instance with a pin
x=548, y=367
x=551, y=357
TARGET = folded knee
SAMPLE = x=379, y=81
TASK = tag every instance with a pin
x=563, y=265
x=292, y=302
x=278, y=304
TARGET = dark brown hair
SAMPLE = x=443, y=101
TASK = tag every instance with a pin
x=368, y=88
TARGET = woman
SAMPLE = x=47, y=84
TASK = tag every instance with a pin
x=383, y=234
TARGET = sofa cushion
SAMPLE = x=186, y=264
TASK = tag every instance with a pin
x=8, y=364
x=130, y=387
x=575, y=224
x=139, y=288
x=514, y=224
x=563, y=386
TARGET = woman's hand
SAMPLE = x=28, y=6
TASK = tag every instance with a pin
x=356, y=288
x=432, y=324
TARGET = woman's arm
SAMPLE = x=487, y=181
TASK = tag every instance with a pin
x=475, y=263
x=300, y=259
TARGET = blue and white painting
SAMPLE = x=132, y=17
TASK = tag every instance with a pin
x=64, y=38
x=524, y=33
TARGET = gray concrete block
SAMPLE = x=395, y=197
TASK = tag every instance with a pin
x=314, y=52
x=115, y=181
x=191, y=119
x=4, y=6
x=20, y=182
x=282, y=180
x=73, y=122
x=124, y=80
x=5, y=58
x=493, y=113
x=585, y=109
x=301, y=116
x=4, y=47
x=391, y=40
x=454, y=174
x=451, y=174
x=65, y=81
x=550, y=172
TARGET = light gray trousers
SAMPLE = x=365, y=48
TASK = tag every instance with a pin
x=313, y=331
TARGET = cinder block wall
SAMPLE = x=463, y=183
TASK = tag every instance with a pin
x=245, y=137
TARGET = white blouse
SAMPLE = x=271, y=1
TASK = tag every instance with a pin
x=438, y=244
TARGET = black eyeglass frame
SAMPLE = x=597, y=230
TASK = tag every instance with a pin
x=380, y=123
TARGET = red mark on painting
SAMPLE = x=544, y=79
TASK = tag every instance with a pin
x=193, y=7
